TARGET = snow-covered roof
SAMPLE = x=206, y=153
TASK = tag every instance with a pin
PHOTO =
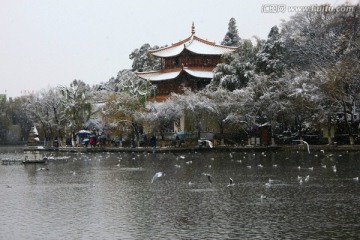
x=193, y=44
x=162, y=76
x=199, y=73
x=158, y=76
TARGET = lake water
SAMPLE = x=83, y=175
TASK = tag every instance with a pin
x=110, y=196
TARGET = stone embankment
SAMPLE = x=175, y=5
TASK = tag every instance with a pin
x=297, y=147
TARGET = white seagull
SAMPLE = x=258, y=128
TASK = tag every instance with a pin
x=300, y=181
x=157, y=175
x=210, y=143
x=42, y=169
x=231, y=183
x=307, y=178
x=308, y=147
x=208, y=177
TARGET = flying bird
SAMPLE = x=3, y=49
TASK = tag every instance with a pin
x=231, y=183
x=179, y=156
x=208, y=177
x=308, y=147
x=157, y=175
x=307, y=178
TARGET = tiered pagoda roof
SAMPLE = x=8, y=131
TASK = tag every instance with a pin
x=194, y=45
x=189, y=62
x=155, y=76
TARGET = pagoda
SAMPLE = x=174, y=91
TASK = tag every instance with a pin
x=186, y=64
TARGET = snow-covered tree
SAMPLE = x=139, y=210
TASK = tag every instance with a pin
x=76, y=101
x=270, y=100
x=120, y=114
x=143, y=60
x=45, y=109
x=342, y=86
x=161, y=115
x=127, y=81
x=221, y=106
x=194, y=106
x=270, y=59
x=232, y=36
x=225, y=74
x=305, y=99
x=237, y=68
x=314, y=40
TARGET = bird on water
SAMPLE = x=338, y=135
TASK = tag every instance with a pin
x=157, y=175
x=209, y=177
x=231, y=183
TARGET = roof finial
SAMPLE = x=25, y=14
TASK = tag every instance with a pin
x=193, y=28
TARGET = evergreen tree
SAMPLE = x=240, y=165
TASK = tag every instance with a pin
x=143, y=60
x=237, y=68
x=231, y=37
x=270, y=58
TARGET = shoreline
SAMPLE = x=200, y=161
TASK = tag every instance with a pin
x=296, y=147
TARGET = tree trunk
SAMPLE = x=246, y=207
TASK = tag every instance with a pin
x=249, y=141
x=73, y=139
x=349, y=127
x=222, y=141
x=351, y=139
x=330, y=142
x=272, y=134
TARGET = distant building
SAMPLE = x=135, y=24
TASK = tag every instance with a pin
x=186, y=64
x=189, y=64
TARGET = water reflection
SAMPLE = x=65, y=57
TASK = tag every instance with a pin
x=111, y=196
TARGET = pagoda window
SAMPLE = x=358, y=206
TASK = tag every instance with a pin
x=189, y=61
x=205, y=61
x=176, y=62
x=197, y=61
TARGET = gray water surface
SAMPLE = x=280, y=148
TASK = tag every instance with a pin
x=110, y=196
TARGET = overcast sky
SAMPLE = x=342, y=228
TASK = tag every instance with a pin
x=46, y=43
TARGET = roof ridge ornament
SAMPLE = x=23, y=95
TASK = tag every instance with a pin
x=193, y=29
